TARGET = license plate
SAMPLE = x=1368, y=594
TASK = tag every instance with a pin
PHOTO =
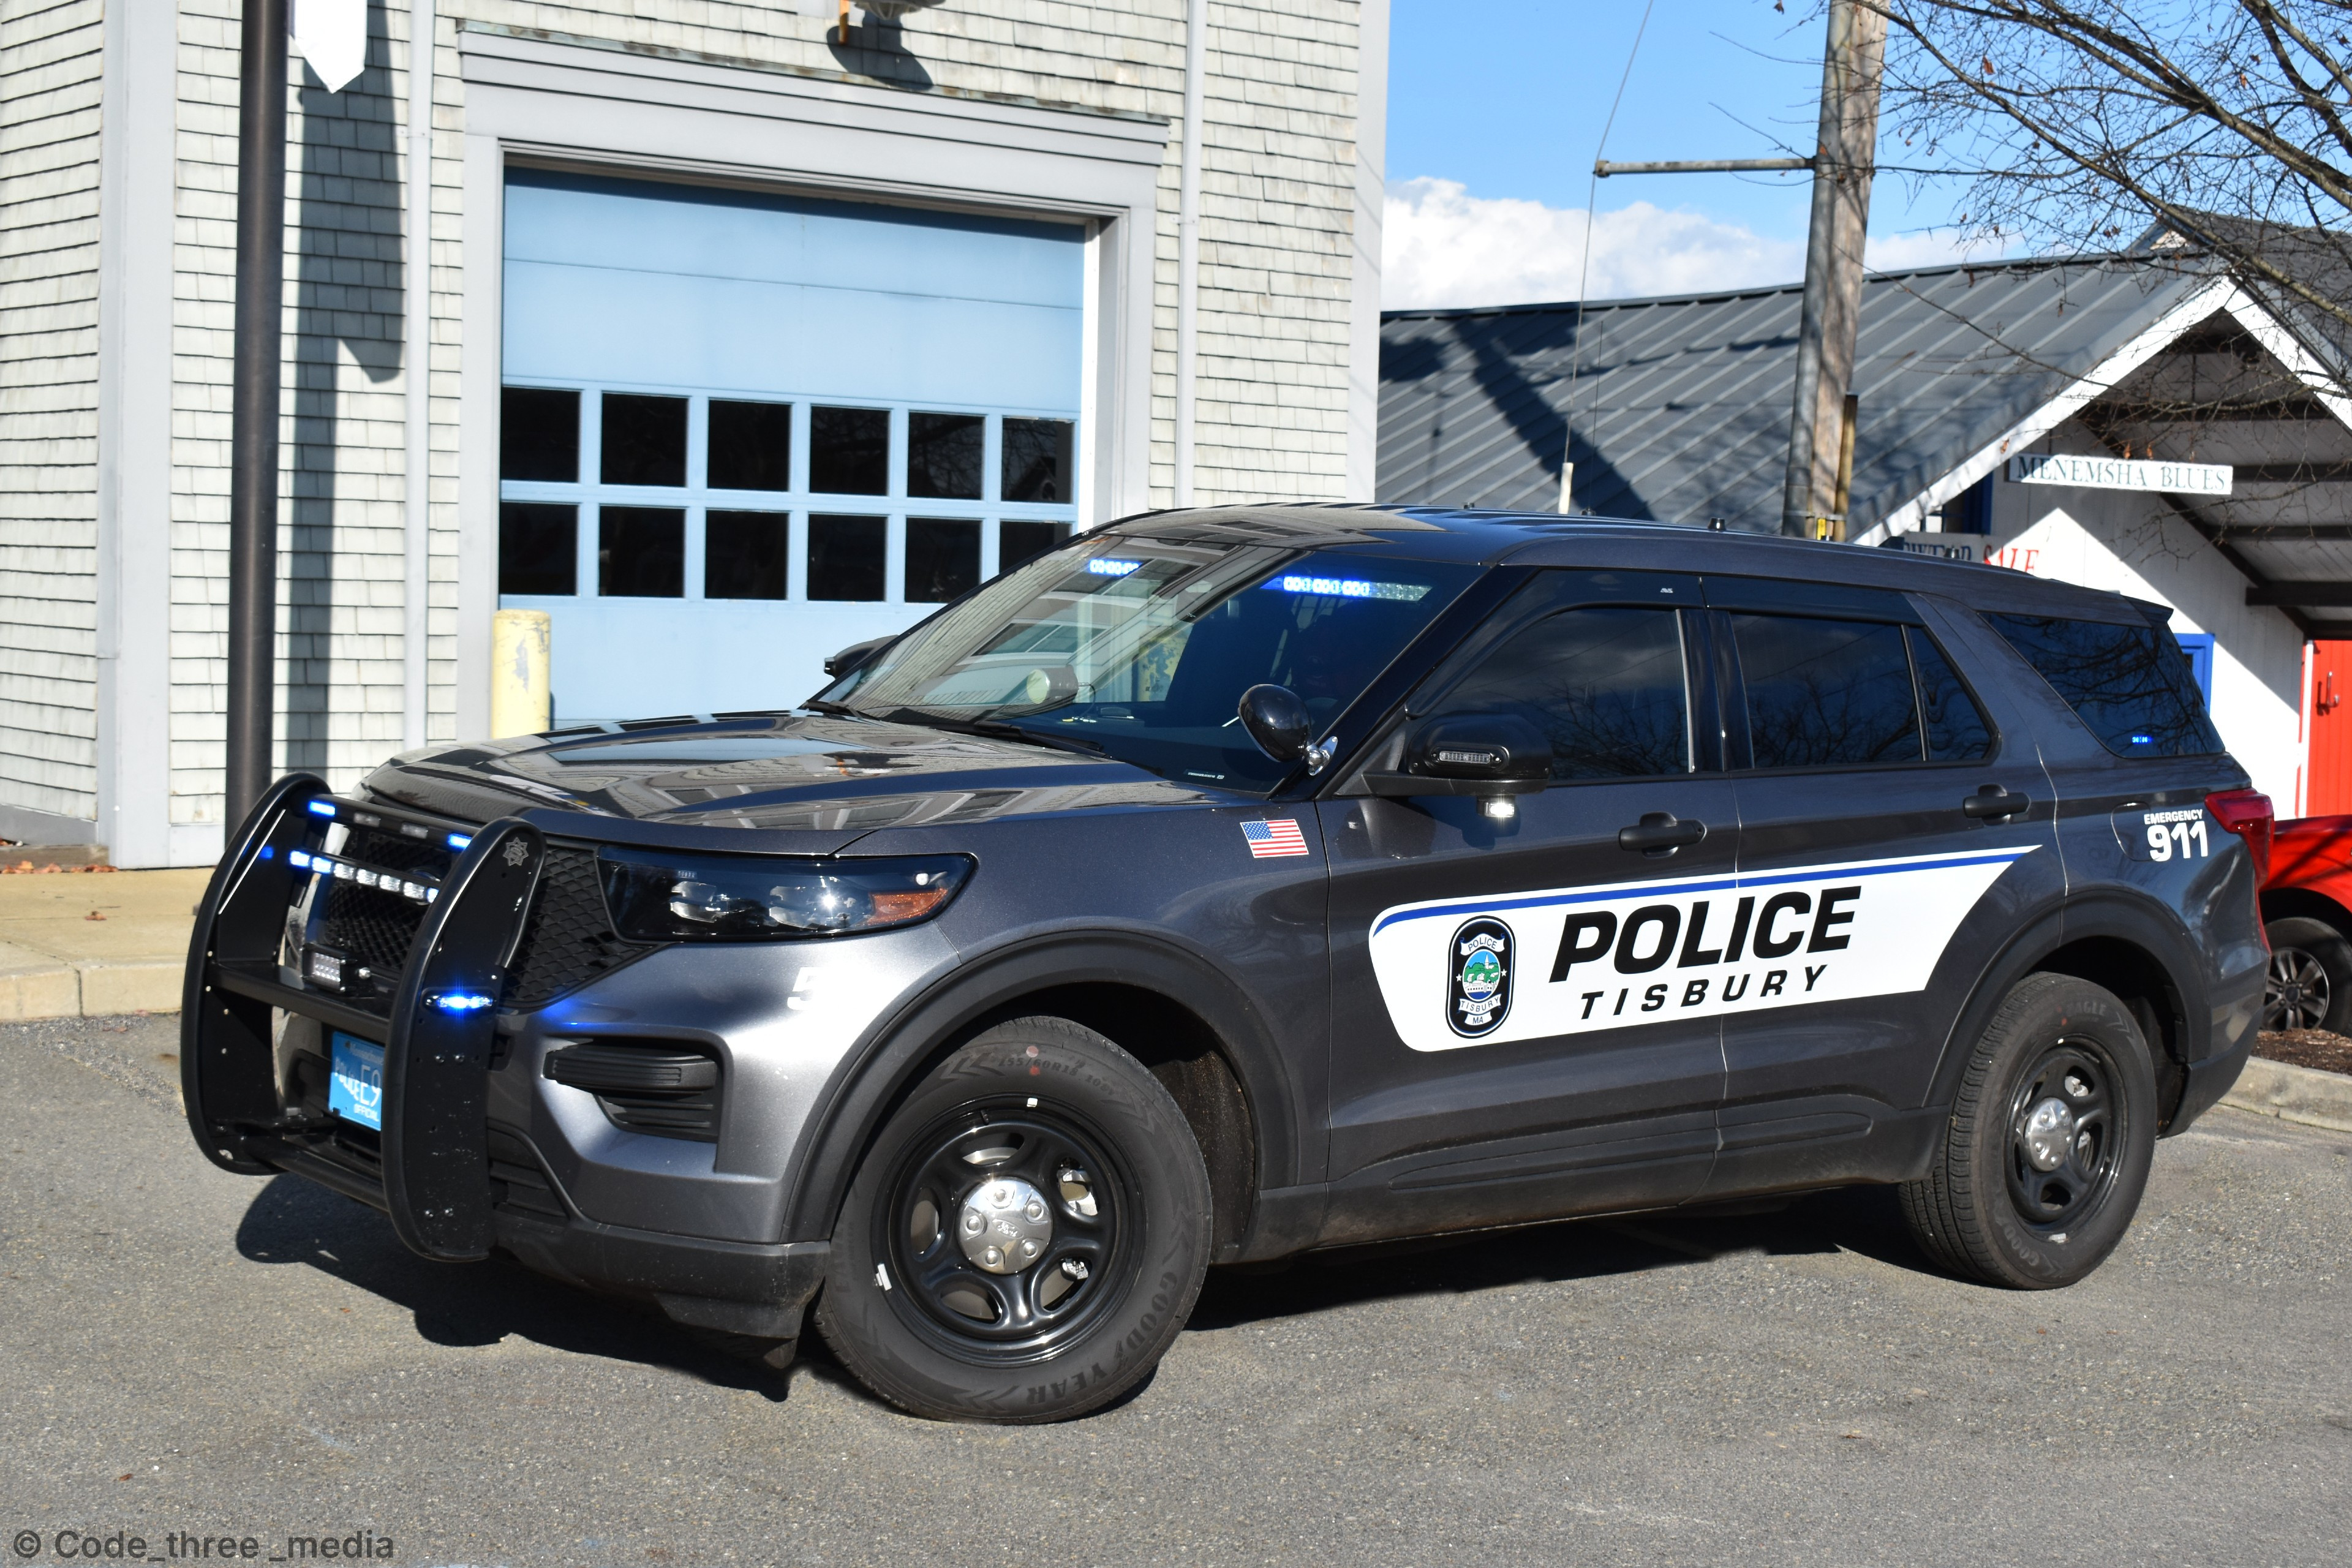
x=355, y=1091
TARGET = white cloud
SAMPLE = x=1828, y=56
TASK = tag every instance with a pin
x=1440, y=247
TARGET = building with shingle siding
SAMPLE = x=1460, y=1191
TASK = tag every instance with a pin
x=744, y=344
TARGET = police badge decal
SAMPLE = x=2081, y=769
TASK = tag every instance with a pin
x=1478, y=977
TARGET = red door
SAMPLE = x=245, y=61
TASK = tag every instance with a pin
x=2330, y=793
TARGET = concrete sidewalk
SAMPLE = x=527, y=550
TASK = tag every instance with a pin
x=57, y=962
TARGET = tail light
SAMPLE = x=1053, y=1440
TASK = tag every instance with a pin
x=2247, y=814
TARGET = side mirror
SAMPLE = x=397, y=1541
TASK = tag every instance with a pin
x=1277, y=720
x=1494, y=756
x=857, y=655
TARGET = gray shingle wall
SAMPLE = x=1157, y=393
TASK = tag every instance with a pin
x=50, y=59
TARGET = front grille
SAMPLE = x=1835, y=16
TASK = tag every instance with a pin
x=371, y=929
x=568, y=939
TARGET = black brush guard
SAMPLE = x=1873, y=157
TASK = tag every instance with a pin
x=435, y=1141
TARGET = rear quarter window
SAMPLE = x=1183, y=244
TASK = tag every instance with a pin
x=2131, y=684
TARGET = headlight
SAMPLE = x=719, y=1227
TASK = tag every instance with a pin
x=657, y=897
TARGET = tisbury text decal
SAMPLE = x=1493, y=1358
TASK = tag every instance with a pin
x=1565, y=960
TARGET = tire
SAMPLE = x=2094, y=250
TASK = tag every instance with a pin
x=2061, y=1072
x=2309, y=983
x=1090, y=1219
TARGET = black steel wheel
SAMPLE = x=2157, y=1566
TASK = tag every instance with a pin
x=2309, y=983
x=1027, y=1235
x=2050, y=1142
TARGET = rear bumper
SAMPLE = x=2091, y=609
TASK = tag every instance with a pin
x=2208, y=1081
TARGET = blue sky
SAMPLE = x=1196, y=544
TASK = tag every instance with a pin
x=1507, y=102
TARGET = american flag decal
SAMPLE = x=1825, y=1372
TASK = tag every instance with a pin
x=1271, y=840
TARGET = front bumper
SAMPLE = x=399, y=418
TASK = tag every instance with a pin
x=456, y=1184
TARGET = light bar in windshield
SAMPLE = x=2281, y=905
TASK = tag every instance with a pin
x=1100, y=567
x=1350, y=588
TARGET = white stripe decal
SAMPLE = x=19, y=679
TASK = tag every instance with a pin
x=1565, y=961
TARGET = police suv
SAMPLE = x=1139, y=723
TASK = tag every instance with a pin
x=1229, y=883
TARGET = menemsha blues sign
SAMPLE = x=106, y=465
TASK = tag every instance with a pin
x=2121, y=474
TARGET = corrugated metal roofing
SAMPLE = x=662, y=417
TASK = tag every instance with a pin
x=1681, y=406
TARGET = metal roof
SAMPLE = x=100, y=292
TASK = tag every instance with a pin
x=1680, y=404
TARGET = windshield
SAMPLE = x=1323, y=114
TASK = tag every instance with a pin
x=1142, y=649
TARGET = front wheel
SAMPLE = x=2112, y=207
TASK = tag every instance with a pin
x=1027, y=1236
x=2050, y=1142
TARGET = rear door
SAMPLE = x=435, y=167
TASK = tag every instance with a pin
x=1513, y=1035
x=1896, y=821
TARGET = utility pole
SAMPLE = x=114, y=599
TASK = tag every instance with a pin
x=1851, y=67
x=1821, y=424
x=257, y=364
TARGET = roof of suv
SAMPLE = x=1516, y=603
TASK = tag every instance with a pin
x=1545, y=538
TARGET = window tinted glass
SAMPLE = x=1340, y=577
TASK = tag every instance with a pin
x=943, y=453
x=1606, y=686
x=744, y=554
x=539, y=434
x=1826, y=693
x=849, y=451
x=750, y=446
x=942, y=559
x=644, y=440
x=2131, y=684
x=538, y=548
x=847, y=557
x=1957, y=730
x=1037, y=460
x=641, y=552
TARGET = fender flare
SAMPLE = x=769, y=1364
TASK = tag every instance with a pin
x=2142, y=922
x=885, y=1061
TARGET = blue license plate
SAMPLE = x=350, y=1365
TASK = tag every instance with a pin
x=356, y=1092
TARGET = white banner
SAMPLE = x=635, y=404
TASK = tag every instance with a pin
x=331, y=37
x=2121, y=474
x=1567, y=961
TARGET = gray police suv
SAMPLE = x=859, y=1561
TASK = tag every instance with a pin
x=1229, y=883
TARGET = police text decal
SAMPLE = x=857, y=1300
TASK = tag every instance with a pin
x=1519, y=967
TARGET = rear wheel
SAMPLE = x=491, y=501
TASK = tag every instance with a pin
x=1027, y=1236
x=2050, y=1141
x=2309, y=983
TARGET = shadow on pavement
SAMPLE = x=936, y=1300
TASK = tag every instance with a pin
x=293, y=1222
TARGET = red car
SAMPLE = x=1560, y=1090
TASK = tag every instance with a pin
x=2308, y=914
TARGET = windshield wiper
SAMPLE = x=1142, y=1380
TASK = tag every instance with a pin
x=993, y=730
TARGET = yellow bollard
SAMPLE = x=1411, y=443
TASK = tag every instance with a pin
x=520, y=701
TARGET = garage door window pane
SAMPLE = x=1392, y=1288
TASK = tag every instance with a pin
x=942, y=559
x=1019, y=541
x=1957, y=730
x=943, y=453
x=539, y=434
x=1826, y=693
x=847, y=557
x=1605, y=685
x=849, y=451
x=641, y=552
x=1037, y=463
x=750, y=446
x=645, y=440
x=744, y=554
x=538, y=548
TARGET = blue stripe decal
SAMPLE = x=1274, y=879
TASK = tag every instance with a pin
x=1668, y=890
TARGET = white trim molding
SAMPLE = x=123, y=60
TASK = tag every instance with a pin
x=593, y=106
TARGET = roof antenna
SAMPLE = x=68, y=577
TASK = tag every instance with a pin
x=1584, y=267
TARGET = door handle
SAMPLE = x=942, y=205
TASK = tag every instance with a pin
x=1659, y=833
x=1993, y=802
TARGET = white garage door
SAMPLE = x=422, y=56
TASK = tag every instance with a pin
x=740, y=431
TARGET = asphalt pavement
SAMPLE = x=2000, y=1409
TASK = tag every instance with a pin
x=186, y=1355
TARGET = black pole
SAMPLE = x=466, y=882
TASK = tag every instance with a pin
x=253, y=444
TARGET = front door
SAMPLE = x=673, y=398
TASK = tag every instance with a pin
x=1519, y=1029
x=1881, y=874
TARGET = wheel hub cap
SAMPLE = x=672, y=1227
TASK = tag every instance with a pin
x=1004, y=1224
x=2049, y=1133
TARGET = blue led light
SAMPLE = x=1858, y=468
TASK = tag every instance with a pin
x=270, y=852
x=460, y=1000
x=459, y=841
x=1103, y=568
x=1350, y=588
x=299, y=858
x=2143, y=740
x=322, y=807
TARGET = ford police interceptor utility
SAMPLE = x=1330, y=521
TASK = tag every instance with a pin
x=1229, y=883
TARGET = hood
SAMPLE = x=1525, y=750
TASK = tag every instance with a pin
x=825, y=779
